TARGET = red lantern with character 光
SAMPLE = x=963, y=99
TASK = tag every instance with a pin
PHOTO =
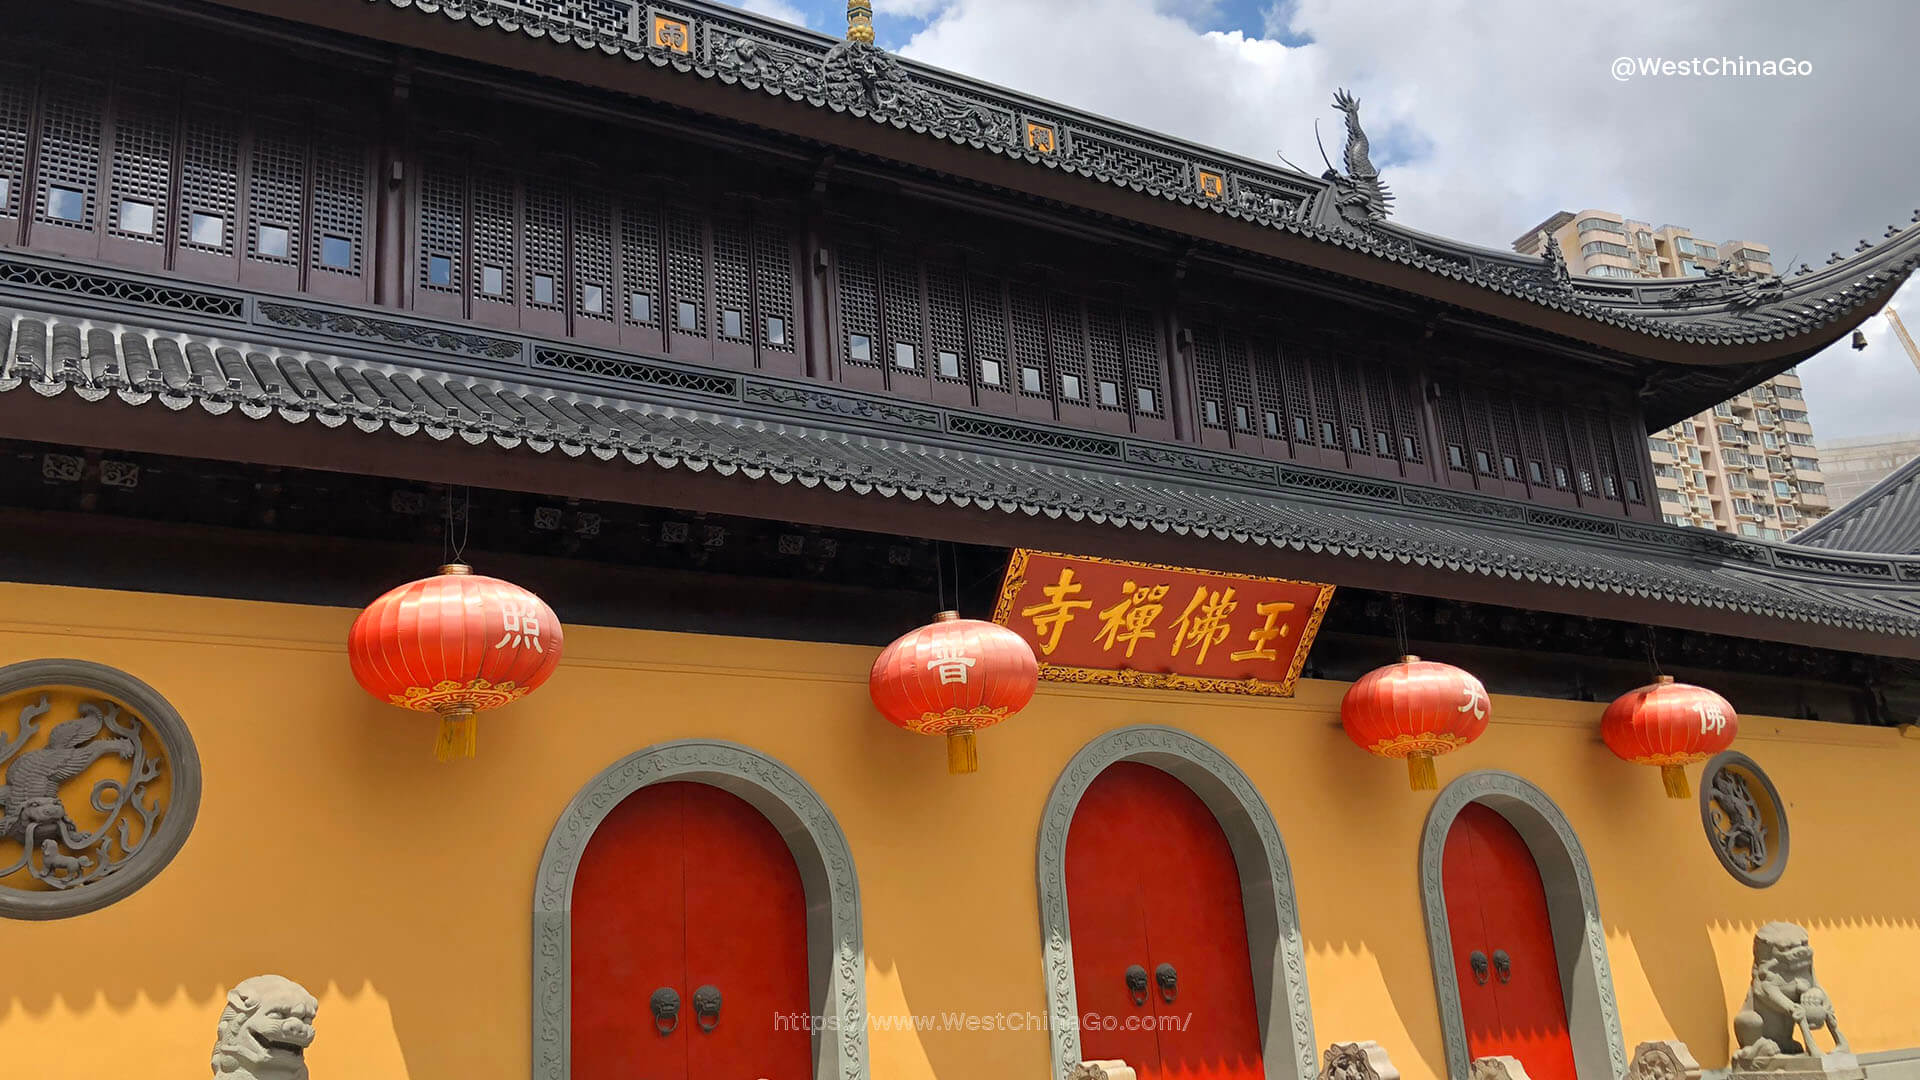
x=953, y=677
x=1415, y=709
x=456, y=644
x=1669, y=724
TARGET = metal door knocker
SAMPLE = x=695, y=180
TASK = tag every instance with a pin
x=706, y=1007
x=1137, y=984
x=1503, y=966
x=1169, y=981
x=665, y=1004
x=1478, y=960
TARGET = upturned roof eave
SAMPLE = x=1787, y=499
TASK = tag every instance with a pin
x=973, y=130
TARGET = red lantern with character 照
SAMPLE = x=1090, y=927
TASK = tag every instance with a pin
x=1669, y=724
x=456, y=644
x=1415, y=709
x=954, y=677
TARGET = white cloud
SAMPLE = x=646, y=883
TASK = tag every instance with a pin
x=1487, y=116
x=783, y=10
x=912, y=9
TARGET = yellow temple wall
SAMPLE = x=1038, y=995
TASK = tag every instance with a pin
x=331, y=848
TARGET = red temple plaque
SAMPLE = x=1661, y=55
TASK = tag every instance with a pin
x=1141, y=624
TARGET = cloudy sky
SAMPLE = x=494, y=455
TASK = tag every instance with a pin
x=1486, y=116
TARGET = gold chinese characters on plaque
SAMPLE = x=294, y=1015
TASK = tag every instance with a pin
x=1142, y=624
x=674, y=35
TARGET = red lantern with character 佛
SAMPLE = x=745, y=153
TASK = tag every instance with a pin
x=456, y=644
x=953, y=677
x=1415, y=709
x=1669, y=724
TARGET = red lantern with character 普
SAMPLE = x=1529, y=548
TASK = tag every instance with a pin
x=954, y=677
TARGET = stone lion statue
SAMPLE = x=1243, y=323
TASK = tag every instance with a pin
x=265, y=1031
x=1784, y=999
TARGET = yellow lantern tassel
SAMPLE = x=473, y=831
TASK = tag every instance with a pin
x=1420, y=774
x=1675, y=779
x=458, y=731
x=962, y=757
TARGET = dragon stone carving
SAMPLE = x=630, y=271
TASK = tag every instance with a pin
x=265, y=1031
x=1783, y=1001
x=1361, y=198
x=33, y=812
x=769, y=65
x=857, y=74
x=1738, y=831
x=1719, y=284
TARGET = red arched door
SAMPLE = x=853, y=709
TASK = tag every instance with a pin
x=1152, y=881
x=1497, y=909
x=683, y=886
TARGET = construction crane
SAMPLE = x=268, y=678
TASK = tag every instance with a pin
x=1906, y=339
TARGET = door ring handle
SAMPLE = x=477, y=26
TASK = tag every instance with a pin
x=706, y=1007
x=1169, y=981
x=1503, y=966
x=1478, y=961
x=665, y=1004
x=1137, y=984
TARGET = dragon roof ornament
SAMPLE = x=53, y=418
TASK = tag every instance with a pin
x=1363, y=201
x=1346, y=208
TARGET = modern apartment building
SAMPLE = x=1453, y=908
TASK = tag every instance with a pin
x=1854, y=465
x=1749, y=465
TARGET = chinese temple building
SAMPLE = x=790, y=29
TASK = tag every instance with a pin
x=910, y=580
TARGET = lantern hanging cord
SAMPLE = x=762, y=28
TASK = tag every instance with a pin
x=939, y=578
x=451, y=551
x=1400, y=622
x=1653, y=653
x=953, y=556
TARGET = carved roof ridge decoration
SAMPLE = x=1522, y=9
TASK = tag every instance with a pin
x=1884, y=519
x=738, y=48
x=671, y=418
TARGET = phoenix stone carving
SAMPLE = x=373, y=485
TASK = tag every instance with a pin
x=34, y=812
x=265, y=1031
x=1783, y=1001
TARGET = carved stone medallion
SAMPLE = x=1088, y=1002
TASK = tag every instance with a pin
x=99, y=785
x=1745, y=819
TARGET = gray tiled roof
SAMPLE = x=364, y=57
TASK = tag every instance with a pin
x=1885, y=518
x=779, y=432
x=737, y=49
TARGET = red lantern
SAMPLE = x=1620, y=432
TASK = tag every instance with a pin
x=1415, y=709
x=1669, y=724
x=457, y=643
x=953, y=677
